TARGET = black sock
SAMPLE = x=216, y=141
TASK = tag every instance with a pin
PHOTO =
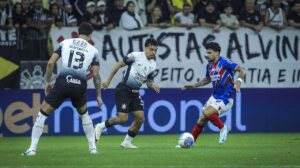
x=44, y=113
x=107, y=125
x=131, y=134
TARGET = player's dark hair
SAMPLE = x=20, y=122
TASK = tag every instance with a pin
x=151, y=41
x=214, y=46
x=85, y=28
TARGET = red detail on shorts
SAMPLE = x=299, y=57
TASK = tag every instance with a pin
x=219, y=108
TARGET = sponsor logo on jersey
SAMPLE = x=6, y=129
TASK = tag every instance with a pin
x=123, y=107
x=215, y=77
x=70, y=79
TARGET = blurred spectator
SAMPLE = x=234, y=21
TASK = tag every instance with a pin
x=210, y=17
x=200, y=5
x=251, y=18
x=58, y=22
x=38, y=21
x=101, y=13
x=6, y=21
x=19, y=17
x=185, y=18
x=45, y=3
x=163, y=4
x=156, y=18
x=20, y=25
x=275, y=16
x=294, y=16
x=261, y=7
x=140, y=9
x=72, y=21
x=293, y=7
x=64, y=8
x=285, y=5
x=237, y=5
x=130, y=20
x=178, y=6
x=54, y=13
x=78, y=8
x=26, y=6
x=114, y=13
x=229, y=20
x=90, y=16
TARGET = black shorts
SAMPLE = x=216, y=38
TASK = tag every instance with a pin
x=67, y=88
x=127, y=99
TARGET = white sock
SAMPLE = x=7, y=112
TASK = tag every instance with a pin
x=37, y=130
x=88, y=129
x=102, y=125
x=128, y=139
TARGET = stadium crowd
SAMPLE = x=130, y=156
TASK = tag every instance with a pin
x=33, y=18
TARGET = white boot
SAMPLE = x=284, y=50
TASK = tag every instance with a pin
x=99, y=128
x=223, y=134
x=29, y=153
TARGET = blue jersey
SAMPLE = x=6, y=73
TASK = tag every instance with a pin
x=221, y=75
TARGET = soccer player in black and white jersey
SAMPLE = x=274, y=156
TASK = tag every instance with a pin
x=77, y=55
x=140, y=69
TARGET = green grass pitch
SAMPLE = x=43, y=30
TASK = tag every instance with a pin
x=157, y=151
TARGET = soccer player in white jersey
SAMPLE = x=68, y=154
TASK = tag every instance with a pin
x=77, y=55
x=141, y=66
x=219, y=71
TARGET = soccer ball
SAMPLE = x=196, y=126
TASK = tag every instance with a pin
x=186, y=140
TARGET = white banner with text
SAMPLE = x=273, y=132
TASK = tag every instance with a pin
x=269, y=58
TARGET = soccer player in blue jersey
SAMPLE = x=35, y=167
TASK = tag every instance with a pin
x=219, y=71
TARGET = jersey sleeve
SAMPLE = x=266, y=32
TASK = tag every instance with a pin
x=129, y=59
x=231, y=65
x=58, y=49
x=151, y=76
x=95, y=60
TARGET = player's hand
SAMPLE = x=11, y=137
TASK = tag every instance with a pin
x=238, y=86
x=187, y=87
x=105, y=85
x=47, y=88
x=99, y=101
x=156, y=88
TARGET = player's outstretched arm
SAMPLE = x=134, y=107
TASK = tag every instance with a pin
x=112, y=74
x=150, y=84
x=203, y=82
x=49, y=71
x=239, y=81
x=97, y=83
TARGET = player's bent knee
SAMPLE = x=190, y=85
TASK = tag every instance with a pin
x=140, y=120
x=205, y=114
x=47, y=108
x=123, y=119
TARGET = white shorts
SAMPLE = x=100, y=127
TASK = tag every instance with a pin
x=218, y=104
